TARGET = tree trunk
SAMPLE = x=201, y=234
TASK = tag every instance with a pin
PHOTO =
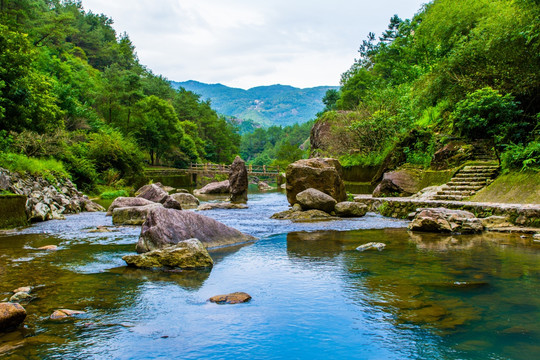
x=152, y=157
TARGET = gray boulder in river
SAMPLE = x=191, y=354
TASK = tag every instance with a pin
x=315, y=199
x=238, y=181
x=445, y=221
x=350, y=209
x=323, y=174
x=165, y=227
x=155, y=193
x=121, y=202
x=133, y=215
x=221, y=187
x=187, y=201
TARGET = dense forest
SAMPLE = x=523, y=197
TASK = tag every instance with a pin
x=74, y=99
x=459, y=70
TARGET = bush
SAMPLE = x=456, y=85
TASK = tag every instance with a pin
x=486, y=114
x=522, y=157
x=50, y=169
x=109, y=195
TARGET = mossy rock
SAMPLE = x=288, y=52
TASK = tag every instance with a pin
x=12, y=211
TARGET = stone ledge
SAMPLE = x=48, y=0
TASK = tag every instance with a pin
x=518, y=214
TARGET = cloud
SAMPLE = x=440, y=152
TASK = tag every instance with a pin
x=246, y=43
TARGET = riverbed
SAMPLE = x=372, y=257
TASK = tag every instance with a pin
x=425, y=296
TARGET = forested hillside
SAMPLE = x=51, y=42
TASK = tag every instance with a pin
x=73, y=90
x=460, y=70
x=278, y=105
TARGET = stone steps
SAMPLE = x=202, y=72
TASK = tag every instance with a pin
x=466, y=182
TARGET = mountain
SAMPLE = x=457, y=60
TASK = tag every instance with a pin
x=266, y=105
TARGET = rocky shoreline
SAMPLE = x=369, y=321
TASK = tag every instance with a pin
x=46, y=199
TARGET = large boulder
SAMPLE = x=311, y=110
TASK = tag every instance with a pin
x=121, y=202
x=133, y=215
x=350, y=209
x=398, y=183
x=156, y=193
x=445, y=221
x=187, y=201
x=323, y=174
x=165, y=227
x=222, y=187
x=187, y=254
x=11, y=316
x=315, y=199
x=238, y=180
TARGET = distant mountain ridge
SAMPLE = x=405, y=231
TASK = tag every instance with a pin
x=266, y=105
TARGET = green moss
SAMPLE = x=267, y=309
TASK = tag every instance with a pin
x=107, y=195
x=513, y=187
x=12, y=211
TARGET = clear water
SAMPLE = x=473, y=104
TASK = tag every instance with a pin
x=314, y=296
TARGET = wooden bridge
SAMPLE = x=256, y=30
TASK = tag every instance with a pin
x=209, y=168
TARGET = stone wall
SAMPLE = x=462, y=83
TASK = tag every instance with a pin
x=517, y=214
x=12, y=211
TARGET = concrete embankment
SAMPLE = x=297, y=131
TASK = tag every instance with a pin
x=518, y=214
x=12, y=211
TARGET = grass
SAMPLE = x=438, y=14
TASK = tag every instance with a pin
x=513, y=187
x=113, y=194
x=50, y=168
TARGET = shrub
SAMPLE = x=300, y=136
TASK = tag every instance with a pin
x=50, y=169
x=522, y=157
x=109, y=195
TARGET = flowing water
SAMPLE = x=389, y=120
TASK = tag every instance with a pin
x=425, y=296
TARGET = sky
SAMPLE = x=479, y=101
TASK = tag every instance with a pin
x=248, y=43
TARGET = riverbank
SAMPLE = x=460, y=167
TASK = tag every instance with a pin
x=525, y=215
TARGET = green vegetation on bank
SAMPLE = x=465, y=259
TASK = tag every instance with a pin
x=459, y=70
x=73, y=90
x=513, y=187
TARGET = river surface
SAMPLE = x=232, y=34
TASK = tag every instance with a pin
x=425, y=296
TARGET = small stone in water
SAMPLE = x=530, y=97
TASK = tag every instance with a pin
x=21, y=296
x=25, y=289
x=371, y=245
x=49, y=247
x=64, y=313
x=233, y=298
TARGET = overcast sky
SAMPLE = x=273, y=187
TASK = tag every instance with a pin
x=247, y=43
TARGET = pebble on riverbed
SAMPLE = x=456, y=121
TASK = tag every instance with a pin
x=371, y=246
x=233, y=298
x=64, y=313
x=49, y=247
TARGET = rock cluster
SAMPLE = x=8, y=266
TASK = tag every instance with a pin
x=166, y=227
x=157, y=194
x=445, y=220
x=46, y=199
x=323, y=174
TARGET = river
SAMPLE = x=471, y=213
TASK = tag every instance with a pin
x=425, y=296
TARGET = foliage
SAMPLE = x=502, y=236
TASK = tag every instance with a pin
x=113, y=194
x=48, y=168
x=522, y=157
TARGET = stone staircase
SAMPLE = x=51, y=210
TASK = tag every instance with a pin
x=466, y=182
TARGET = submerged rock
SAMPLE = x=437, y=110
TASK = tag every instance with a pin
x=21, y=296
x=315, y=199
x=445, y=220
x=371, y=246
x=121, y=202
x=26, y=289
x=309, y=215
x=165, y=227
x=49, y=248
x=323, y=174
x=233, y=298
x=187, y=254
x=187, y=200
x=222, y=187
x=135, y=215
x=11, y=316
x=221, y=205
x=350, y=209
x=238, y=181
x=65, y=313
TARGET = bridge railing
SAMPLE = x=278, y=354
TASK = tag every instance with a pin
x=252, y=169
